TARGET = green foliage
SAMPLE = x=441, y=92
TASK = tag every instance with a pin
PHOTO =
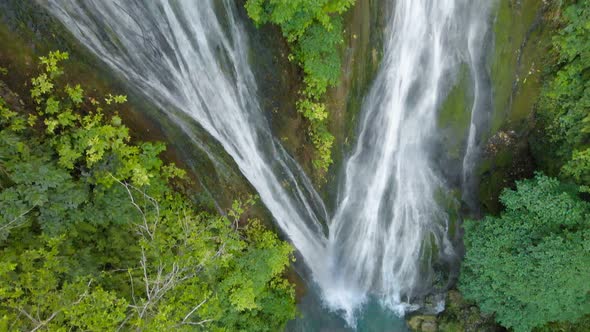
x=531, y=265
x=564, y=108
x=94, y=237
x=323, y=141
x=321, y=137
x=320, y=59
x=263, y=263
x=36, y=295
x=296, y=16
x=314, y=30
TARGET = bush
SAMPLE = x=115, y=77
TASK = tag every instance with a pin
x=314, y=31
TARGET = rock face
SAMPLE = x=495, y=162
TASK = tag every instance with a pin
x=423, y=323
x=522, y=37
x=361, y=54
x=459, y=316
x=518, y=46
x=462, y=315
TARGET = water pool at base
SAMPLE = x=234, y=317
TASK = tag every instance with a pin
x=316, y=318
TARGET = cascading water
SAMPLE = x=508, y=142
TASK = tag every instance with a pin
x=190, y=58
x=388, y=219
x=183, y=57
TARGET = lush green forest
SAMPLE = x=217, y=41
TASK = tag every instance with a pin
x=99, y=233
x=96, y=233
x=530, y=266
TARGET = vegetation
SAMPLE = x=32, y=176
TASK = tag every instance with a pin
x=96, y=235
x=313, y=28
x=97, y=232
x=531, y=265
x=563, y=109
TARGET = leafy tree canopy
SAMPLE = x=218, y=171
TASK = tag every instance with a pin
x=564, y=107
x=95, y=237
x=531, y=265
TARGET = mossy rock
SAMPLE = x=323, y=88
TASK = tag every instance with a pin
x=522, y=37
x=460, y=315
x=423, y=323
x=507, y=158
x=455, y=303
x=454, y=117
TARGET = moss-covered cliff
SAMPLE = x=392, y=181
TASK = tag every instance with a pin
x=522, y=31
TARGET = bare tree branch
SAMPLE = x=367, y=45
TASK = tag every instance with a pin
x=7, y=225
x=194, y=309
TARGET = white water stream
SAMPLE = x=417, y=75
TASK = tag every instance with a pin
x=190, y=57
x=389, y=216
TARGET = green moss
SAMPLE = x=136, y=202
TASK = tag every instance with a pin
x=514, y=56
x=489, y=189
x=430, y=252
x=364, y=33
x=451, y=327
x=528, y=85
x=361, y=56
x=521, y=41
x=484, y=166
x=449, y=201
x=455, y=115
x=455, y=112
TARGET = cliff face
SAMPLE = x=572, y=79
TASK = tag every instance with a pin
x=522, y=39
x=519, y=41
x=361, y=55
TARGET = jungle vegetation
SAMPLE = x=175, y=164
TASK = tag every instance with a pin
x=98, y=234
x=530, y=266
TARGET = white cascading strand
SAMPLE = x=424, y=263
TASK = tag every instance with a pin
x=388, y=218
x=189, y=57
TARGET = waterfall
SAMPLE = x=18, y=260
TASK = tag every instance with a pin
x=189, y=57
x=388, y=222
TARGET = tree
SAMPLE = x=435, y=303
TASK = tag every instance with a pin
x=94, y=235
x=531, y=265
x=563, y=109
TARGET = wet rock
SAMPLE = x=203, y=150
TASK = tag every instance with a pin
x=460, y=315
x=10, y=97
x=463, y=315
x=430, y=324
x=423, y=323
x=415, y=323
